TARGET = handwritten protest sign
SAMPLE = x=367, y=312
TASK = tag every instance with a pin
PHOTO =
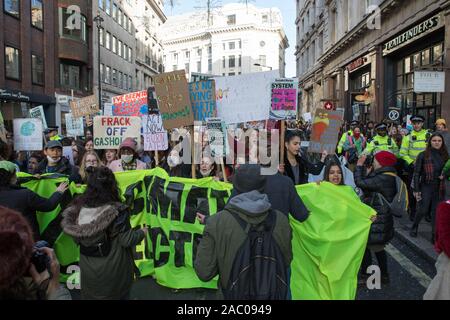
x=203, y=99
x=173, y=99
x=74, y=126
x=84, y=106
x=217, y=134
x=131, y=104
x=244, y=98
x=38, y=113
x=2, y=128
x=325, y=131
x=27, y=134
x=284, y=99
x=110, y=131
x=195, y=76
x=155, y=137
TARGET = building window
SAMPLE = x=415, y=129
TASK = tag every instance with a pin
x=37, y=69
x=114, y=13
x=232, y=74
x=240, y=61
x=114, y=45
x=78, y=34
x=174, y=67
x=262, y=60
x=114, y=77
x=125, y=22
x=108, y=6
x=223, y=62
x=119, y=48
x=231, y=62
x=102, y=72
x=199, y=66
x=130, y=83
x=102, y=43
x=186, y=67
x=209, y=50
x=209, y=65
x=70, y=76
x=231, y=19
x=175, y=58
x=100, y=4
x=12, y=63
x=120, y=80
x=108, y=41
x=187, y=54
x=37, y=14
x=240, y=44
x=120, y=17
x=199, y=52
x=231, y=45
x=264, y=18
x=12, y=7
x=130, y=54
x=130, y=25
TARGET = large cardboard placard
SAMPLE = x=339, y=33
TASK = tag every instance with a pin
x=27, y=134
x=173, y=99
x=284, y=99
x=246, y=97
x=217, y=137
x=325, y=131
x=110, y=131
x=131, y=104
x=203, y=99
x=84, y=106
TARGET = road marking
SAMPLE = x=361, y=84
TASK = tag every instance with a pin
x=412, y=269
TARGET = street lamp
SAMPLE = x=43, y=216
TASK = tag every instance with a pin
x=261, y=65
x=98, y=20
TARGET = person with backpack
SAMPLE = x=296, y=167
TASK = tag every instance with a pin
x=247, y=244
x=428, y=182
x=380, y=189
x=100, y=224
x=354, y=147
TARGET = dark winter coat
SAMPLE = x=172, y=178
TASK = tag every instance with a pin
x=110, y=277
x=378, y=182
x=305, y=168
x=63, y=167
x=419, y=176
x=223, y=236
x=27, y=203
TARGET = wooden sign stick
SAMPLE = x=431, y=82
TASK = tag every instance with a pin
x=283, y=129
x=193, y=153
x=222, y=166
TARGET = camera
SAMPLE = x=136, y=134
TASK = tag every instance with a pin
x=39, y=259
x=369, y=161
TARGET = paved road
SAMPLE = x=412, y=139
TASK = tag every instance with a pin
x=410, y=275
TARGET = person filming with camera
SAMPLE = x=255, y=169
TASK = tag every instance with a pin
x=28, y=271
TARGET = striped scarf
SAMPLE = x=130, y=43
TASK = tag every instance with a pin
x=428, y=166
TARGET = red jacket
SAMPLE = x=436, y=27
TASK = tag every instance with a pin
x=442, y=243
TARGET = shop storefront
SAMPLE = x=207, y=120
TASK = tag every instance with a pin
x=16, y=104
x=419, y=48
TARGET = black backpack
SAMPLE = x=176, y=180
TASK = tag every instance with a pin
x=259, y=271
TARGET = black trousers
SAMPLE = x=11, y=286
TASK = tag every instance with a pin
x=381, y=258
x=428, y=204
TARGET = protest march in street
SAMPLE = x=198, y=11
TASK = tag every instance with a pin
x=219, y=184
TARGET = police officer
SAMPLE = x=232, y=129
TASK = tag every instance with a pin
x=381, y=142
x=51, y=133
x=412, y=145
x=346, y=135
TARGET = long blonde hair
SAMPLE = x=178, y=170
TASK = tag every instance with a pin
x=83, y=172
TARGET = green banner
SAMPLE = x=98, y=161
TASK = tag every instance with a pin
x=328, y=247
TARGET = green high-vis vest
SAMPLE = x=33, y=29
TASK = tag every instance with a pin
x=413, y=144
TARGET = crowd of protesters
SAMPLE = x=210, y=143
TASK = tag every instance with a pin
x=369, y=156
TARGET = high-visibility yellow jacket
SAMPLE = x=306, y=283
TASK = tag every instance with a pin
x=380, y=143
x=413, y=144
x=343, y=139
x=56, y=138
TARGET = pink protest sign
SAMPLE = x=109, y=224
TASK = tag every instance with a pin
x=131, y=105
x=284, y=99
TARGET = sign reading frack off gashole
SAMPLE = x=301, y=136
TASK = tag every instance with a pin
x=413, y=34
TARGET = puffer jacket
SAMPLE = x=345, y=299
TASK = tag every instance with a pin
x=382, y=229
x=109, y=277
x=223, y=236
